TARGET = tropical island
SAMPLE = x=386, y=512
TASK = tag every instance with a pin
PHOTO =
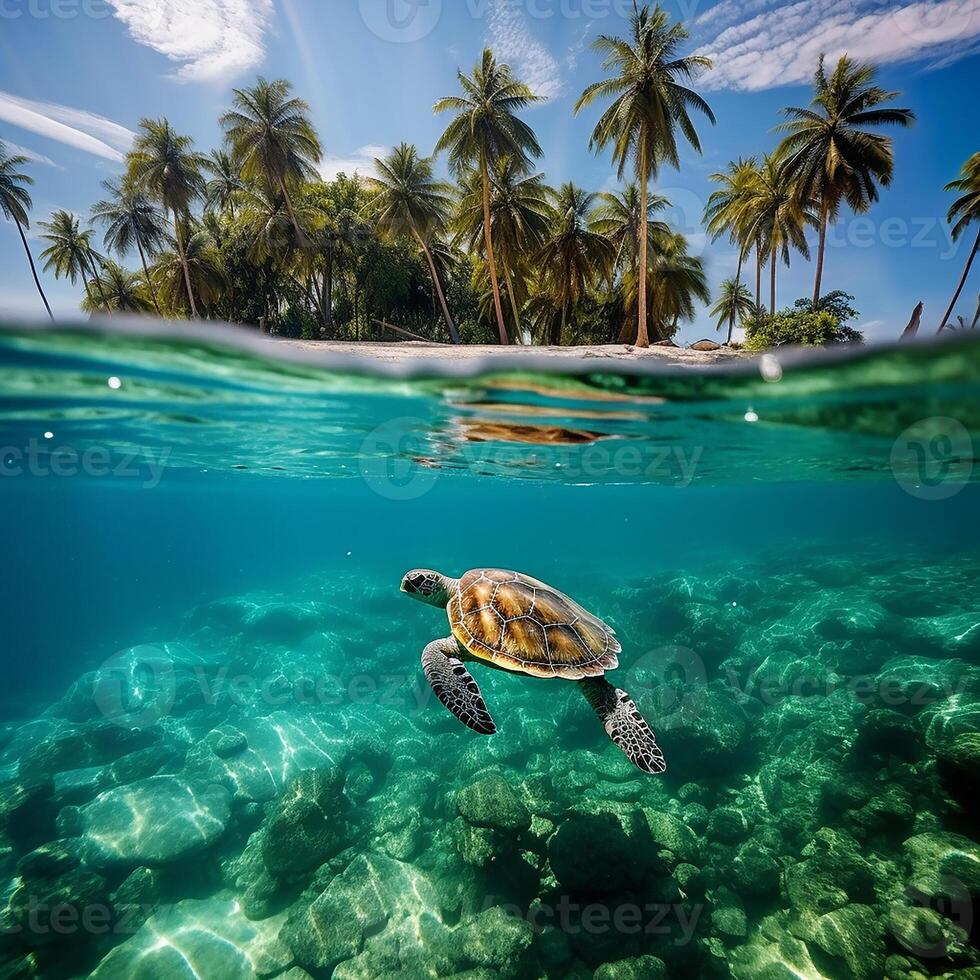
x=251, y=234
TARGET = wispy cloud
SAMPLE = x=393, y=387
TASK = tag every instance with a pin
x=73, y=127
x=24, y=151
x=512, y=41
x=211, y=40
x=358, y=163
x=759, y=44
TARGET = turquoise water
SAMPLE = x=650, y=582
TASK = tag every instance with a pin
x=219, y=755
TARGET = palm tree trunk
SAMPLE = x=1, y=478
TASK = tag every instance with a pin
x=513, y=304
x=453, y=332
x=300, y=237
x=561, y=325
x=738, y=280
x=642, y=337
x=494, y=285
x=30, y=259
x=146, y=276
x=758, y=275
x=772, y=286
x=821, y=246
x=98, y=285
x=963, y=278
x=184, y=266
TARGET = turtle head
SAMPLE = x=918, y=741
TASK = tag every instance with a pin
x=427, y=586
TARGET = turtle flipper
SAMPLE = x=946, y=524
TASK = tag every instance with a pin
x=624, y=724
x=454, y=686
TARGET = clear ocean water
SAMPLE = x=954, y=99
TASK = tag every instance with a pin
x=219, y=755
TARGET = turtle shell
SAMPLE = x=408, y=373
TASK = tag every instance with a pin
x=520, y=624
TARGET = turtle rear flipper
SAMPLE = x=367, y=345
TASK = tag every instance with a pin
x=624, y=724
x=454, y=686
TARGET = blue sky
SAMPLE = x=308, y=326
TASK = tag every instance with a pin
x=77, y=75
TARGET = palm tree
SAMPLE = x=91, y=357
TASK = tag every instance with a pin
x=520, y=217
x=69, y=254
x=649, y=106
x=778, y=218
x=676, y=280
x=828, y=151
x=121, y=291
x=15, y=204
x=163, y=165
x=734, y=305
x=131, y=219
x=726, y=213
x=575, y=256
x=198, y=263
x=222, y=189
x=963, y=211
x=485, y=129
x=272, y=138
x=408, y=200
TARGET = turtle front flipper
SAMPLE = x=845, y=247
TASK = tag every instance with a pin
x=454, y=686
x=624, y=724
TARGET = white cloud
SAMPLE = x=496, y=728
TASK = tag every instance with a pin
x=211, y=40
x=760, y=44
x=73, y=127
x=512, y=42
x=18, y=150
x=360, y=162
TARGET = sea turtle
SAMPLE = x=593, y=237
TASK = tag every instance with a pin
x=512, y=622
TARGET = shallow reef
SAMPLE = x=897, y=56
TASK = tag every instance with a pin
x=270, y=790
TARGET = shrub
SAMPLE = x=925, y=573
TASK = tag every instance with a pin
x=801, y=326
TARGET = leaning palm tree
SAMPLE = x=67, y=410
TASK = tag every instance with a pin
x=520, y=217
x=485, y=129
x=962, y=212
x=575, y=257
x=734, y=306
x=131, y=219
x=272, y=139
x=15, y=205
x=778, y=217
x=199, y=261
x=163, y=165
x=121, y=291
x=828, y=150
x=649, y=106
x=409, y=201
x=69, y=254
x=726, y=213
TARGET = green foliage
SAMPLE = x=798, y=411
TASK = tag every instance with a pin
x=802, y=326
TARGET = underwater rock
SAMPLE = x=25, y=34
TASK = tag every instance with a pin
x=592, y=852
x=61, y=908
x=831, y=875
x=673, y=835
x=493, y=940
x=153, y=821
x=728, y=825
x=926, y=934
x=728, y=918
x=491, y=802
x=198, y=939
x=848, y=942
x=374, y=899
x=944, y=867
x=138, y=897
x=703, y=727
x=27, y=813
x=756, y=870
x=283, y=622
x=279, y=746
x=49, y=860
x=309, y=825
